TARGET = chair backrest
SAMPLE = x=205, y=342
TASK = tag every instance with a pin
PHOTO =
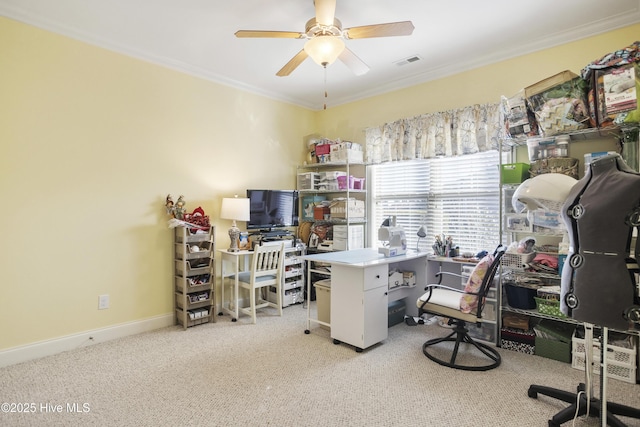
x=268, y=260
x=489, y=276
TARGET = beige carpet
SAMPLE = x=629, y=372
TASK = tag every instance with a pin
x=273, y=374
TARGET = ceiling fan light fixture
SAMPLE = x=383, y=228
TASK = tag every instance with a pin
x=324, y=50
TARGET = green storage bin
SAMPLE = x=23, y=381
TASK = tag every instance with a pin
x=514, y=173
x=552, y=349
x=553, y=340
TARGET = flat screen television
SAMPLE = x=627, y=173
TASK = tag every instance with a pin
x=271, y=209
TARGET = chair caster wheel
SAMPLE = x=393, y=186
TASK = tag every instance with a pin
x=306, y=331
x=234, y=320
x=532, y=393
x=336, y=342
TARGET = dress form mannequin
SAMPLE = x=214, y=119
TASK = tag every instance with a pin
x=598, y=284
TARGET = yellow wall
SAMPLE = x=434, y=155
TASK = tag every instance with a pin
x=482, y=85
x=92, y=141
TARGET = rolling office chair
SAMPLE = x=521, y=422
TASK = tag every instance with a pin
x=267, y=270
x=462, y=307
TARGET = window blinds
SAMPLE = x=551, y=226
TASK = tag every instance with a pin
x=465, y=201
x=400, y=189
x=454, y=196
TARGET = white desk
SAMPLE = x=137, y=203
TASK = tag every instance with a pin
x=360, y=293
x=232, y=263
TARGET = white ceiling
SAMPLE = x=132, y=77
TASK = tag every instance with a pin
x=197, y=37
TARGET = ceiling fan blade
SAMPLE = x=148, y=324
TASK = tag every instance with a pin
x=269, y=34
x=325, y=11
x=292, y=64
x=355, y=64
x=403, y=28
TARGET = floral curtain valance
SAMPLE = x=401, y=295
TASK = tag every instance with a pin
x=449, y=133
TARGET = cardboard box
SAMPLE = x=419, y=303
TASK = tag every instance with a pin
x=549, y=83
x=320, y=211
x=409, y=278
x=355, y=208
x=516, y=321
x=347, y=152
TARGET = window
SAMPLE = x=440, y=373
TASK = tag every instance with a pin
x=454, y=196
x=399, y=189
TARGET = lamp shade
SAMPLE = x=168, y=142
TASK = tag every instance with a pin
x=324, y=50
x=235, y=208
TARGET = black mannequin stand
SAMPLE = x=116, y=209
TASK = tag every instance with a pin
x=596, y=407
x=580, y=403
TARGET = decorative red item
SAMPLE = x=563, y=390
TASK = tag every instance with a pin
x=197, y=217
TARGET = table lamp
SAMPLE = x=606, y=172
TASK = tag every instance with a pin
x=422, y=233
x=235, y=209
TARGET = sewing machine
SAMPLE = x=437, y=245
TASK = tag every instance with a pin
x=393, y=238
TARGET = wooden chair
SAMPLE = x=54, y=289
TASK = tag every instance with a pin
x=267, y=268
x=462, y=307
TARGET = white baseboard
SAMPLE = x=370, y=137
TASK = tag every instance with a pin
x=58, y=345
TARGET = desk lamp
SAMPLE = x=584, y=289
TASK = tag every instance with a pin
x=422, y=233
x=235, y=209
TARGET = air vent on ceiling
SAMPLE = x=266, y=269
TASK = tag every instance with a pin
x=408, y=60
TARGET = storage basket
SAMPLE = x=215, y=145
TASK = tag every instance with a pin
x=520, y=297
x=553, y=349
x=517, y=261
x=550, y=307
x=564, y=165
x=514, y=173
x=621, y=362
x=553, y=340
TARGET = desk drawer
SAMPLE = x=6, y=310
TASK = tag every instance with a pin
x=375, y=277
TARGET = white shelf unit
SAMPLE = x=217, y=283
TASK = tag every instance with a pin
x=348, y=228
x=194, y=268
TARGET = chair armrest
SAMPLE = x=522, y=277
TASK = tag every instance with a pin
x=440, y=273
x=429, y=289
x=439, y=286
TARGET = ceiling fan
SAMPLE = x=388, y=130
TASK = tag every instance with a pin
x=325, y=36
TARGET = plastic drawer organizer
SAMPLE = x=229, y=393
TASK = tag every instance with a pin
x=621, y=361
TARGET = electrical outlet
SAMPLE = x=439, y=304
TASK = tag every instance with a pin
x=103, y=302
